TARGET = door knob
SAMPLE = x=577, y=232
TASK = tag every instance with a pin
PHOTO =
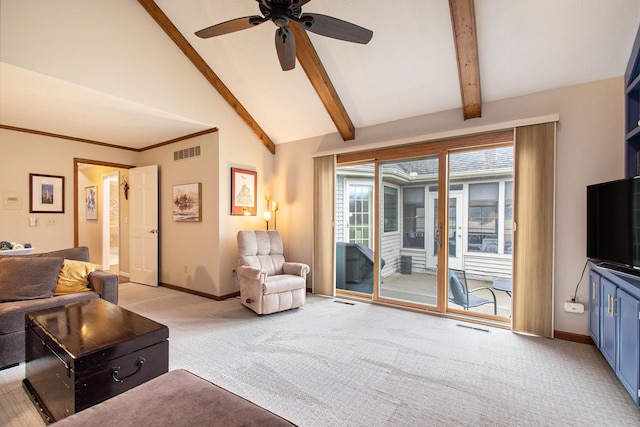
x=154, y=231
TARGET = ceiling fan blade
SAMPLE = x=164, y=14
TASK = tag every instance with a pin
x=286, y=48
x=329, y=26
x=231, y=26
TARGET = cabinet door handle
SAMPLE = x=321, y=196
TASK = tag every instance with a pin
x=613, y=306
x=593, y=290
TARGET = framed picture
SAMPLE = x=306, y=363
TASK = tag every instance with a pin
x=46, y=193
x=90, y=202
x=187, y=206
x=244, y=185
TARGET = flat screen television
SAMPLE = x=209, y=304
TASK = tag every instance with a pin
x=613, y=220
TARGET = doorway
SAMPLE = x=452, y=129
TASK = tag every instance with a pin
x=106, y=232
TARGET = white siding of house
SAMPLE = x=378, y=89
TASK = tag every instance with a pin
x=418, y=259
x=488, y=265
x=390, y=248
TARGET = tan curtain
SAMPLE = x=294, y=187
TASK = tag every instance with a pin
x=534, y=198
x=322, y=270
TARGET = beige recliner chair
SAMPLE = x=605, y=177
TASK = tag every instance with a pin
x=268, y=283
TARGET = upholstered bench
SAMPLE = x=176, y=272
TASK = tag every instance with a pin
x=177, y=398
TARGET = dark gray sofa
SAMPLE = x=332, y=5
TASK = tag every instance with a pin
x=12, y=314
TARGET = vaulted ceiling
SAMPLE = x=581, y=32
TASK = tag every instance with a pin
x=96, y=71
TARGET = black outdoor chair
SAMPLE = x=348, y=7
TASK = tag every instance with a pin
x=460, y=294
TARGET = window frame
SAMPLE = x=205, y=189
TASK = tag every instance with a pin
x=424, y=217
x=397, y=208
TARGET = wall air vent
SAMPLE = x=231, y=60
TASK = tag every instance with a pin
x=186, y=153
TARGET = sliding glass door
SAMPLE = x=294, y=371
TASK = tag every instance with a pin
x=355, y=229
x=409, y=248
x=431, y=228
x=481, y=186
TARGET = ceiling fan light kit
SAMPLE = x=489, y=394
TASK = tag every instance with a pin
x=282, y=13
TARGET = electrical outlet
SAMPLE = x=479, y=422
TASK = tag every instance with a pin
x=573, y=307
x=51, y=221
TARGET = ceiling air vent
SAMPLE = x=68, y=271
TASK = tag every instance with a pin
x=186, y=153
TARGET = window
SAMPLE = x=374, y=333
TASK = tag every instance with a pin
x=390, y=209
x=360, y=196
x=413, y=217
x=483, y=217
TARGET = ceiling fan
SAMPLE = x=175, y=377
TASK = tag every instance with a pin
x=283, y=13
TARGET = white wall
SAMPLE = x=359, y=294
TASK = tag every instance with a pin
x=208, y=248
x=589, y=149
x=24, y=153
x=241, y=149
x=293, y=188
x=187, y=245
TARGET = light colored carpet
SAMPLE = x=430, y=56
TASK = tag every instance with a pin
x=357, y=364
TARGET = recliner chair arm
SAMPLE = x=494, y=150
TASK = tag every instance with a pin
x=295, y=268
x=251, y=273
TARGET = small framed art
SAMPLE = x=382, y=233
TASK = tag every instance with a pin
x=187, y=202
x=46, y=193
x=90, y=198
x=243, y=192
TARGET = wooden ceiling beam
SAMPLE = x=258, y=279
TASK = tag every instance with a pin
x=165, y=23
x=463, y=20
x=312, y=66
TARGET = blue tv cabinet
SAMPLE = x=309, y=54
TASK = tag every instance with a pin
x=614, y=321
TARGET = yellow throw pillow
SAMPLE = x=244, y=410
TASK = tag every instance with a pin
x=73, y=277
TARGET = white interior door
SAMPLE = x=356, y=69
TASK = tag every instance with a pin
x=143, y=214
